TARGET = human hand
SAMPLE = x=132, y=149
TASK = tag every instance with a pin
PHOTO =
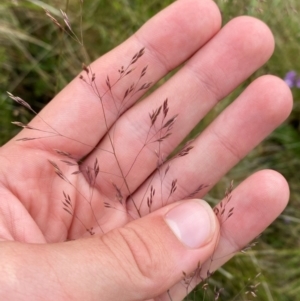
x=128, y=257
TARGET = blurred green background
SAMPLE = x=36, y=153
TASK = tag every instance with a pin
x=36, y=61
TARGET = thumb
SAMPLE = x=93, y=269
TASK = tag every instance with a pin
x=146, y=257
x=138, y=261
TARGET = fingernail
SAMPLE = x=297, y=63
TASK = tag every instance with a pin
x=193, y=222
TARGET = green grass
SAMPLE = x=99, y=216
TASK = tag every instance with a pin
x=37, y=61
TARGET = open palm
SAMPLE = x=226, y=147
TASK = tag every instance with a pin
x=94, y=159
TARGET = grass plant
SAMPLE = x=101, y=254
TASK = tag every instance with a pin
x=37, y=60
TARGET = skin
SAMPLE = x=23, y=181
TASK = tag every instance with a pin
x=38, y=264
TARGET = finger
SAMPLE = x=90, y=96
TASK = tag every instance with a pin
x=213, y=72
x=263, y=106
x=257, y=202
x=138, y=261
x=80, y=115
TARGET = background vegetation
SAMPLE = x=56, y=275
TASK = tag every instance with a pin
x=36, y=61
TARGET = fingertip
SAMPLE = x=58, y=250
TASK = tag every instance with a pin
x=180, y=30
x=257, y=202
x=208, y=8
x=272, y=187
x=260, y=38
x=283, y=94
x=214, y=11
x=276, y=97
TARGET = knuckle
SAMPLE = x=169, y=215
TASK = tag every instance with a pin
x=140, y=254
x=226, y=143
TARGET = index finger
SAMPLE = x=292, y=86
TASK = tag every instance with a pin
x=80, y=115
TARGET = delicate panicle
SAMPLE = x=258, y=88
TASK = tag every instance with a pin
x=28, y=139
x=160, y=127
x=63, y=153
x=144, y=71
x=197, y=190
x=66, y=19
x=20, y=101
x=24, y=126
x=221, y=209
x=150, y=198
x=69, y=163
x=145, y=86
x=108, y=82
x=165, y=107
x=169, y=124
x=153, y=116
x=137, y=56
x=53, y=19
x=96, y=168
x=119, y=195
x=59, y=172
x=85, y=68
x=173, y=187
